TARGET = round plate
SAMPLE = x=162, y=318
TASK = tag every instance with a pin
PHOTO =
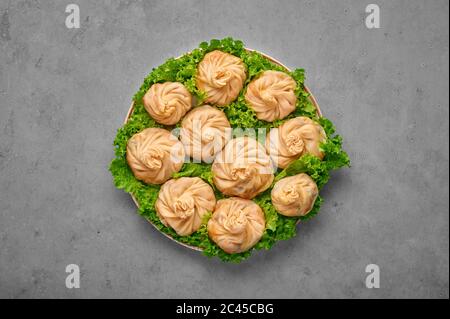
x=130, y=111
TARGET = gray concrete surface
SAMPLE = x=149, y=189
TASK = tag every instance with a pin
x=63, y=94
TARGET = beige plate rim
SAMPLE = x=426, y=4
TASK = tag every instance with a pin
x=130, y=110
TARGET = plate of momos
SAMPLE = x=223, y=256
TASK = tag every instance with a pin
x=241, y=167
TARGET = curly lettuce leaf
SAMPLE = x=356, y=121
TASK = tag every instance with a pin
x=201, y=170
x=335, y=156
x=265, y=202
x=308, y=164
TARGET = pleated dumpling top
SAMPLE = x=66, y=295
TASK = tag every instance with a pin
x=182, y=203
x=236, y=225
x=294, y=195
x=272, y=95
x=293, y=138
x=167, y=102
x=154, y=155
x=221, y=76
x=204, y=132
x=243, y=168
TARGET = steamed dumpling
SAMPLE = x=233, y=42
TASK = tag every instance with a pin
x=154, y=155
x=167, y=102
x=243, y=168
x=204, y=132
x=236, y=225
x=294, y=195
x=182, y=203
x=221, y=76
x=294, y=138
x=272, y=95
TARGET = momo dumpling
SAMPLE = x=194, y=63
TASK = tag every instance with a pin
x=154, y=155
x=221, y=76
x=167, y=102
x=272, y=95
x=294, y=195
x=294, y=138
x=243, y=168
x=182, y=203
x=236, y=225
x=204, y=132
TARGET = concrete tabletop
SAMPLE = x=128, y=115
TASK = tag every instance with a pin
x=64, y=92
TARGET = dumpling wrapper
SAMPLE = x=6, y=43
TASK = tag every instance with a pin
x=294, y=138
x=222, y=76
x=272, y=95
x=243, y=168
x=294, y=195
x=167, y=102
x=182, y=203
x=236, y=225
x=154, y=155
x=204, y=132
